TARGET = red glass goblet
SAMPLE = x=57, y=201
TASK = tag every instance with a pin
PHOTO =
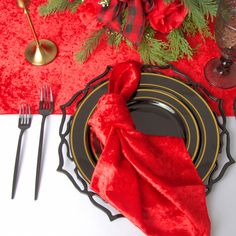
x=221, y=72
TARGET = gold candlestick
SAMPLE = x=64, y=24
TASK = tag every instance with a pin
x=39, y=52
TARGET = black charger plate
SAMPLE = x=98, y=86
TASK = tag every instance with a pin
x=155, y=80
x=205, y=153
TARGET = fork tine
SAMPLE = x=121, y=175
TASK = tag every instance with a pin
x=46, y=92
x=48, y=97
x=25, y=114
x=51, y=97
x=45, y=97
x=21, y=114
x=41, y=99
x=41, y=94
x=28, y=114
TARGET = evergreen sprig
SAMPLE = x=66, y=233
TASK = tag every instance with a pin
x=89, y=46
x=53, y=6
x=178, y=45
x=200, y=11
x=208, y=7
x=152, y=50
x=115, y=38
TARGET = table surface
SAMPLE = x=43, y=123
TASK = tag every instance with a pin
x=20, y=81
x=61, y=209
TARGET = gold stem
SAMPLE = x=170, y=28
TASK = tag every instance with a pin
x=26, y=11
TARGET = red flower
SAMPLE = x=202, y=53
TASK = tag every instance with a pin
x=166, y=17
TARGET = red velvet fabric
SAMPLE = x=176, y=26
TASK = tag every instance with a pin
x=151, y=180
x=166, y=17
x=20, y=81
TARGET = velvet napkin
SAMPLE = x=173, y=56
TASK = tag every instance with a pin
x=150, y=179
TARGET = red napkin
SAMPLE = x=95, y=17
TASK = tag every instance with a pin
x=150, y=179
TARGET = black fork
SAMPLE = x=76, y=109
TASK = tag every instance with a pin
x=24, y=123
x=46, y=107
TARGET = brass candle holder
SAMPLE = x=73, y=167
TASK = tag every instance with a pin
x=39, y=52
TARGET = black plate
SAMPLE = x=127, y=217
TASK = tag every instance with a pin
x=209, y=132
x=209, y=145
x=154, y=112
x=163, y=115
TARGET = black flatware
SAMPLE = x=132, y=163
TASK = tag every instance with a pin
x=24, y=123
x=46, y=107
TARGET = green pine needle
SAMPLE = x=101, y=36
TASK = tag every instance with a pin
x=199, y=13
x=179, y=46
x=188, y=26
x=89, y=46
x=152, y=50
x=169, y=1
x=114, y=39
x=208, y=7
x=53, y=6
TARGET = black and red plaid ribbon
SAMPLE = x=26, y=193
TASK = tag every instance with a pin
x=111, y=16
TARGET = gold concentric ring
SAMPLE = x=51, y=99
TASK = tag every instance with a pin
x=210, y=111
x=156, y=99
x=154, y=85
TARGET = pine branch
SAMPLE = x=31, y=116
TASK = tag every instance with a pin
x=152, y=50
x=53, y=6
x=129, y=43
x=188, y=27
x=179, y=46
x=89, y=46
x=208, y=7
x=114, y=39
x=169, y=1
x=199, y=13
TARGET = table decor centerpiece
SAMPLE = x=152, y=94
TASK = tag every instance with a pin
x=159, y=30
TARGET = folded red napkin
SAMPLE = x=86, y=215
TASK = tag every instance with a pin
x=150, y=179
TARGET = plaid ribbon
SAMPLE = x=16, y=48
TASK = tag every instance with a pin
x=111, y=16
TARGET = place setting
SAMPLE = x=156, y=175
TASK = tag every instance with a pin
x=149, y=138
x=162, y=105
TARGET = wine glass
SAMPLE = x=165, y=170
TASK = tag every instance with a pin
x=221, y=72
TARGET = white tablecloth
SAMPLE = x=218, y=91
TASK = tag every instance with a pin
x=61, y=210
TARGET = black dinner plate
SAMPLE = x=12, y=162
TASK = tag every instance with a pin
x=209, y=132
x=154, y=112
x=197, y=115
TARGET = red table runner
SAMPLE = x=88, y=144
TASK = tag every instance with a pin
x=20, y=81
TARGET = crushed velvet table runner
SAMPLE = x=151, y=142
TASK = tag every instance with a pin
x=20, y=81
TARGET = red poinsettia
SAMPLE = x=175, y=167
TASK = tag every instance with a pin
x=166, y=17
